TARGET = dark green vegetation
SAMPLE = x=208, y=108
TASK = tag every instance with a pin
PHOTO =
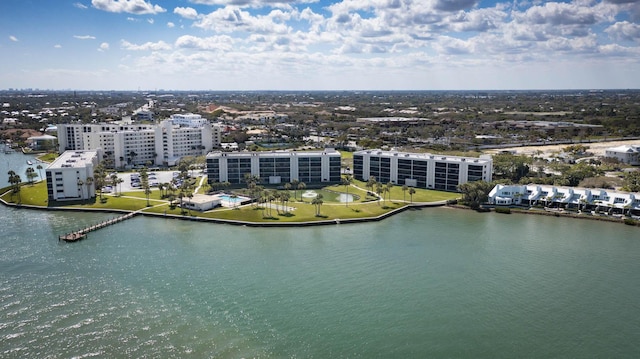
x=436, y=121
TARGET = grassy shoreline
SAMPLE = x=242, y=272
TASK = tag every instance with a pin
x=298, y=212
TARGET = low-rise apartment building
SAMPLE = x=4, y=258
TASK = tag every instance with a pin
x=70, y=176
x=421, y=170
x=275, y=167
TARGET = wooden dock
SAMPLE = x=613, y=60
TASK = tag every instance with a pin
x=82, y=233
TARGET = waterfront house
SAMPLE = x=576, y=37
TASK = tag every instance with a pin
x=573, y=198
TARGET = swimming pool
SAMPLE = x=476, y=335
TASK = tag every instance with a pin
x=228, y=201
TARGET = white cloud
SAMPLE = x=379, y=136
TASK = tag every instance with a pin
x=84, y=37
x=147, y=46
x=186, y=12
x=104, y=46
x=453, y=46
x=151, y=21
x=624, y=31
x=454, y=5
x=80, y=5
x=231, y=19
x=57, y=46
x=138, y=7
x=13, y=38
x=377, y=43
x=253, y=3
x=217, y=43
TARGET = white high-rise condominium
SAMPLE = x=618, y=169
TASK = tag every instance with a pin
x=128, y=145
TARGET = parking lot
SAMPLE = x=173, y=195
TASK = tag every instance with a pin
x=155, y=178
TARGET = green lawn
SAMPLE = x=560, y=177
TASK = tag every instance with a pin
x=364, y=206
x=48, y=157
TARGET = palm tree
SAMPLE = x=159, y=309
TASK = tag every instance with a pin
x=17, y=188
x=114, y=183
x=264, y=195
x=346, y=181
x=14, y=180
x=269, y=197
x=31, y=174
x=371, y=183
x=405, y=188
x=380, y=191
x=317, y=201
x=301, y=186
x=100, y=178
x=388, y=188
x=39, y=167
x=294, y=185
x=161, y=188
x=147, y=192
x=411, y=192
x=190, y=195
x=285, y=199
x=276, y=196
x=89, y=182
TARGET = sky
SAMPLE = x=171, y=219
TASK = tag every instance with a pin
x=232, y=45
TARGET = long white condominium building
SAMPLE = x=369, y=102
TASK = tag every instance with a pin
x=275, y=167
x=67, y=176
x=421, y=170
x=138, y=144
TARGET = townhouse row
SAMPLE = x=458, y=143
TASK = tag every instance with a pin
x=586, y=199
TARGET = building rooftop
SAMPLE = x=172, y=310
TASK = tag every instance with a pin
x=73, y=159
x=426, y=156
x=282, y=153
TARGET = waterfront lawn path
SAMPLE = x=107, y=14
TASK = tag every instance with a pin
x=301, y=210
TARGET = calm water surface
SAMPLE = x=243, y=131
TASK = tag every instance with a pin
x=430, y=283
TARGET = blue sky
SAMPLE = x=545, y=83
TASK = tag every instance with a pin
x=319, y=45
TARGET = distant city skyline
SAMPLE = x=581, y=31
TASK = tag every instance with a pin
x=319, y=45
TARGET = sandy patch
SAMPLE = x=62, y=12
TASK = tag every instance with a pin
x=597, y=148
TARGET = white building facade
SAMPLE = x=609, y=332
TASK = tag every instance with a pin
x=275, y=167
x=626, y=154
x=70, y=176
x=129, y=145
x=421, y=170
x=586, y=199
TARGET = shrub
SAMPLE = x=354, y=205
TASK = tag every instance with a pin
x=630, y=222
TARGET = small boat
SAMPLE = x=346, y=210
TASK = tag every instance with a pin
x=29, y=163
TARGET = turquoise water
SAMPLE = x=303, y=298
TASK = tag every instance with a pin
x=17, y=162
x=228, y=198
x=430, y=283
